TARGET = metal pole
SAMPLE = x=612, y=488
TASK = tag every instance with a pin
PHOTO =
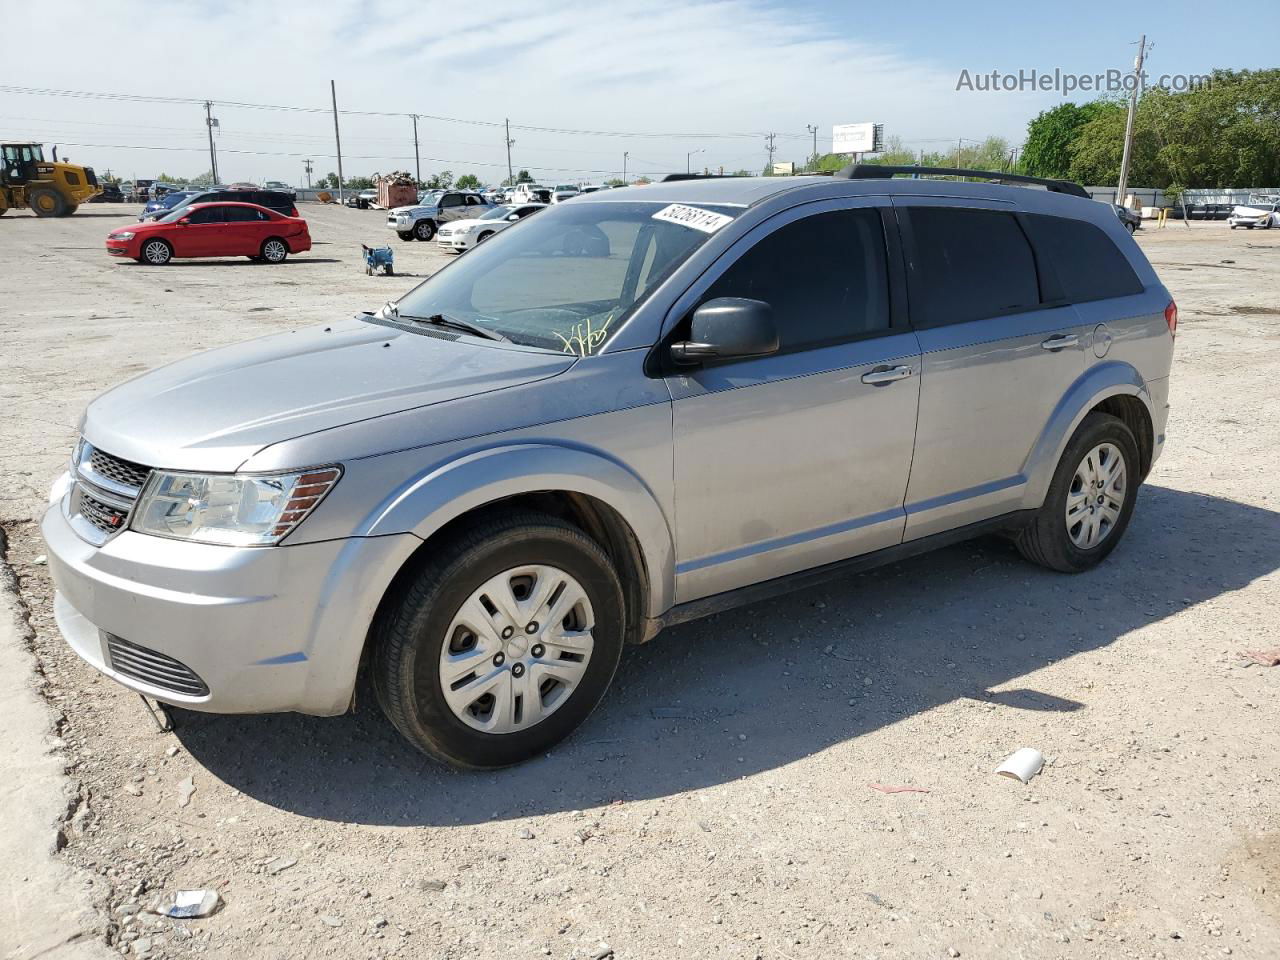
x=1128, y=124
x=417, y=164
x=337, y=138
x=511, y=177
x=959, y=141
x=813, y=163
x=625, y=154
x=213, y=153
x=770, y=148
x=307, y=164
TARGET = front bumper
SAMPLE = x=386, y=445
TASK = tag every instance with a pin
x=461, y=242
x=266, y=629
x=400, y=224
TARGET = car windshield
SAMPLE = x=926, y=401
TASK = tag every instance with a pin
x=567, y=278
x=177, y=213
x=564, y=187
x=497, y=213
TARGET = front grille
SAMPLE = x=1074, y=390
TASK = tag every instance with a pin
x=121, y=471
x=149, y=667
x=105, y=517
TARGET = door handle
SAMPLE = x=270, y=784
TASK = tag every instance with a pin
x=882, y=375
x=1060, y=342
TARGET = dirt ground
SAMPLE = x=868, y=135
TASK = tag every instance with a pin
x=718, y=804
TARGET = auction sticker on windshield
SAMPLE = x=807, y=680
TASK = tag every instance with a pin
x=703, y=220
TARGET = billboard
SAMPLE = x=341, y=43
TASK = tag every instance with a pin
x=857, y=137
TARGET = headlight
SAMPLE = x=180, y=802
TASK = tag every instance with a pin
x=123, y=235
x=247, y=510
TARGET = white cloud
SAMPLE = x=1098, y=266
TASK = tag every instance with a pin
x=703, y=67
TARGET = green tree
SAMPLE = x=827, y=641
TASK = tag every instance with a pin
x=615, y=182
x=468, y=181
x=440, y=181
x=524, y=177
x=1047, y=151
x=359, y=183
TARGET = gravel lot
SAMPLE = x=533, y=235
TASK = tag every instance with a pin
x=718, y=804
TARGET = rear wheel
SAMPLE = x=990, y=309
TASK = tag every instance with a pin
x=404, y=235
x=274, y=250
x=1090, y=498
x=157, y=252
x=424, y=229
x=46, y=202
x=502, y=643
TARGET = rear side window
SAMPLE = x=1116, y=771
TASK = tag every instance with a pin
x=968, y=265
x=1088, y=263
x=244, y=215
x=825, y=277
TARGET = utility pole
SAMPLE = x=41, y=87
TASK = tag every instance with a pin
x=813, y=162
x=625, y=154
x=1128, y=124
x=511, y=177
x=959, y=144
x=770, y=148
x=688, y=159
x=211, y=122
x=417, y=163
x=337, y=138
x=307, y=164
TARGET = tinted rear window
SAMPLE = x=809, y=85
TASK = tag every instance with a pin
x=969, y=264
x=1088, y=263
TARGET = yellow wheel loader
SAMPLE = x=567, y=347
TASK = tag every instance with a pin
x=49, y=188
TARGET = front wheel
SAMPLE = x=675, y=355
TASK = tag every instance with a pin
x=157, y=252
x=424, y=229
x=1090, y=498
x=501, y=643
x=404, y=235
x=46, y=202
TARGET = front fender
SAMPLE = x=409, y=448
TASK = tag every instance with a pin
x=1103, y=380
x=446, y=491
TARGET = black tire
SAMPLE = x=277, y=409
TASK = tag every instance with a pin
x=411, y=627
x=484, y=236
x=1046, y=540
x=424, y=230
x=157, y=252
x=71, y=208
x=46, y=202
x=404, y=236
x=274, y=250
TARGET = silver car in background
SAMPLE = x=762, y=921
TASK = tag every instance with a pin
x=639, y=408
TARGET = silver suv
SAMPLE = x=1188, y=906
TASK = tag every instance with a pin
x=635, y=409
x=433, y=208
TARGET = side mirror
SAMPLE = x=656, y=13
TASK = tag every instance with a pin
x=184, y=220
x=514, y=217
x=728, y=327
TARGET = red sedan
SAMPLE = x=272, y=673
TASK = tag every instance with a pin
x=213, y=230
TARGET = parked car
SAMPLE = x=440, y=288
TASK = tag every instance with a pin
x=279, y=187
x=594, y=187
x=126, y=189
x=529, y=193
x=363, y=200
x=159, y=189
x=479, y=494
x=142, y=190
x=422, y=222
x=213, y=230
x=281, y=203
x=1263, y=216
x=564, y=191
x=1132, y=221
x=158, y=208
x=460, y=235
x=111, y=193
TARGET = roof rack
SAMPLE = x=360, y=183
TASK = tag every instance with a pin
x=872, y=171
x=674, y=177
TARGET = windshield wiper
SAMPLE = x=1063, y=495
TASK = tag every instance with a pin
x=444, y=320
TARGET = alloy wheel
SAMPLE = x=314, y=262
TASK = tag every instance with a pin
x=156, y=252
x=1096, y=496
x=274, y=251
x=517, y=649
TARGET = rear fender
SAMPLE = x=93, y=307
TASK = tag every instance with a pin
x=447, y=491
x=1095, y=385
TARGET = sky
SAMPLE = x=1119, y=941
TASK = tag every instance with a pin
x=696, y=84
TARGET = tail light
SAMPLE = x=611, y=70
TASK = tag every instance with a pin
x=293, y=211
x=1171, y=318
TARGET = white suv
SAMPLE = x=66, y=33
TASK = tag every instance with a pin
x=421, y=222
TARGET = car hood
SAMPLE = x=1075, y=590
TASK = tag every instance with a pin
x=415, y=210
x=1243, y=211
x=214, y=410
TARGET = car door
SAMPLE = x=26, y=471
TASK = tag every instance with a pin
x=998, y=351
x=244, y=231
x=201, y=235
x=453, y=206
x=800, y=458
